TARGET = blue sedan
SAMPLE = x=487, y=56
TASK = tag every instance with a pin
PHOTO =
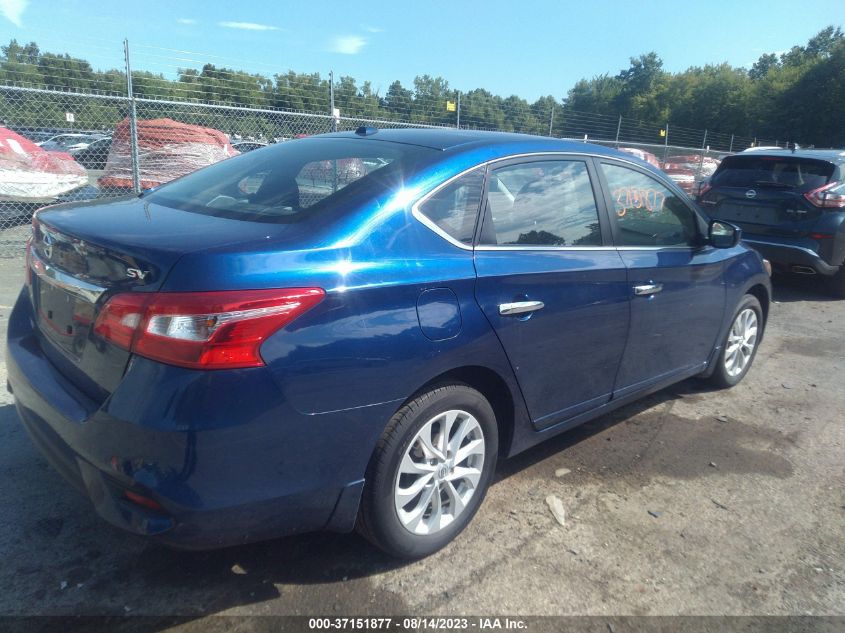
x=349, y=330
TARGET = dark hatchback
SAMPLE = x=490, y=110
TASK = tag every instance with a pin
x=790, y=205
x=349, y=330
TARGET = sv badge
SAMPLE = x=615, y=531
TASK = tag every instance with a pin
x=137, y=273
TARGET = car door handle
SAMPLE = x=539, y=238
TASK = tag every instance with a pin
x=520, y=307
x=647, y=289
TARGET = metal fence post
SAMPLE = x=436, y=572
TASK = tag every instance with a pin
x=731, y=148
x=666, y=144
x=458, y=109
x=331, y=101
x=552, y=119
x=133, y=123
x=703, y=149
x=618, y=131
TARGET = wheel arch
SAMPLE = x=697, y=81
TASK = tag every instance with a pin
x=762, y=294
x=489, y=384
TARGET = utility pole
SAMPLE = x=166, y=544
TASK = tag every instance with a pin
x=133, y=122
x=458, y=108
x=618, y=131
x=552, y=120
x=731, y=148
x=666, y=144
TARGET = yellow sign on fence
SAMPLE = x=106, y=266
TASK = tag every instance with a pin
x=451, y=106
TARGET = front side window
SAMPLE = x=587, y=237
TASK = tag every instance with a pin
x=454, y=208
x=647, y=212
x=545, y=203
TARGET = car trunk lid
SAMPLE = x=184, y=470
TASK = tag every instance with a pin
x=82, y=255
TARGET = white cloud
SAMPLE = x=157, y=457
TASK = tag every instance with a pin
x=348, y=44
x=186, y=21
x=248, y=26
x=13, y=10
x=372, y=29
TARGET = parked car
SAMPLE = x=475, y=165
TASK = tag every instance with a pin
x=247, y=146
x=648, y=157
x=69, y=142
x=94, y=155
x=790, y=205
x=219, y=360
x=683, y=176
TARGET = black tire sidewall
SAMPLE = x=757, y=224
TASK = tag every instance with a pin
x=383, y=525
x=720, y=375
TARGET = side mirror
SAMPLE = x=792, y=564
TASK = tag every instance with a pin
x=722, y=234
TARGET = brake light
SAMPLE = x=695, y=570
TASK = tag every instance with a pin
x=202, y=330
x=825, y=199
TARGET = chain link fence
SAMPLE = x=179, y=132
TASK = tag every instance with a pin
x=74, y=145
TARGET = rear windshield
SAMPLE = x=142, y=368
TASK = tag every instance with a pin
x=781, y=172
x=288, y=182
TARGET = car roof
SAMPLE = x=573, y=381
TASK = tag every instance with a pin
x=832, y=155
x=445, y=139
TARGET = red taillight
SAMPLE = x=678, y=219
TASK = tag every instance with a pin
x=704, y=187
x=821, y=236
x=202, y=330
x=824, y=198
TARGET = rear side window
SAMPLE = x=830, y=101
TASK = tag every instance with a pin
x=648, y=213
x=780, y=172
x=546, y=203
x=454, y=208
x=290, y=181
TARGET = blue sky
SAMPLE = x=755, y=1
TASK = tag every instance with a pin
x=524, y=47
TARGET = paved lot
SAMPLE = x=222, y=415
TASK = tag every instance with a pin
x=747, y=485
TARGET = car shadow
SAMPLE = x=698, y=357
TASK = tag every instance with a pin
x=63, y=560
x=794, y=288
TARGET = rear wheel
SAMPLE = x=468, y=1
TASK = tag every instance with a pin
x=740, y=345
x=430, y=472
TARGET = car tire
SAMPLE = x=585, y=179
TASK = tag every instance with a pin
x=392, y=515
x=738, y=347
x=836, y=284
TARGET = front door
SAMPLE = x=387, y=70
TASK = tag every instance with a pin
x=675, y=280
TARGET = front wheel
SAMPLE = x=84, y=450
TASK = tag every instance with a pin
x=430, y=472
x=740, y=345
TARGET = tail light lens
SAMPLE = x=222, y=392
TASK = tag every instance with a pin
x=830, y=196
x=202, y=330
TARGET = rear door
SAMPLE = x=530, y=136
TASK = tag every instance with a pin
x=764, y=195
x=675, y=280
x=551, y=286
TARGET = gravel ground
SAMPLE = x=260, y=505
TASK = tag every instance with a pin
x=688, y=502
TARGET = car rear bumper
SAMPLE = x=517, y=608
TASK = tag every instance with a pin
x=790, y=257
x=262, y=476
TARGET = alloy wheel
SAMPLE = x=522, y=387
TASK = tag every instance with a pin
x=742, y=340
x=439, y=472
